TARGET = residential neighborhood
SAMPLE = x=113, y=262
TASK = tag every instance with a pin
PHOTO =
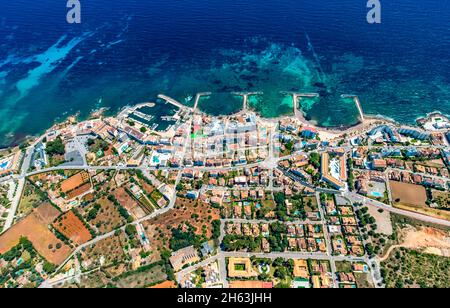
x=197, y=201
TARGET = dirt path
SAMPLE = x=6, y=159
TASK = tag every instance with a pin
x=430, y=240
x=388, y=253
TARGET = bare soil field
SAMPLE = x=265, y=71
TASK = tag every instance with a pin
x=165, y=285
x=408, y=194
x=74, y=182
x=428, y=240
x=146, y=187
x=47, y=213
x=79, y=191
x=35, y=228
x=72, y=228
x=413, y=198
x=384, y=223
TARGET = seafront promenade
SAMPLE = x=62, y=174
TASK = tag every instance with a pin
x=367, y=123
x=213, y=159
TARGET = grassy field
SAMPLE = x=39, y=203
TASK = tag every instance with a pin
x=96, y=279
x=310, y=203
x=108, y=217
x=31, y=199
x=441, y=198
x=409, y=268
x=425, y=210
x=400, y=221
x=362, y=279
x=344, y=266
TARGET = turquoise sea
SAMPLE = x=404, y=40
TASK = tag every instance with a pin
x=127, y=52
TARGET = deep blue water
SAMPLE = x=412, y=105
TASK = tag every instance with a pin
x=126, y=52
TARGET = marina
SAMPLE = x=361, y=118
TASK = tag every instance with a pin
x=159, y=116
x=153, y=116
x=172, y=101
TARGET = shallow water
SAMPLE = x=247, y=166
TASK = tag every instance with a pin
x=129, y=52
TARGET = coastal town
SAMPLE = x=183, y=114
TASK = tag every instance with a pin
x=162, y=195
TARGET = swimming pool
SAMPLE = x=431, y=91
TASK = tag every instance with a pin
x=376, y=194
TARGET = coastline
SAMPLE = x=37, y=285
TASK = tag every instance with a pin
x=369, y=119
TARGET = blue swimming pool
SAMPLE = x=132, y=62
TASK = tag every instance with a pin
x=376, y=194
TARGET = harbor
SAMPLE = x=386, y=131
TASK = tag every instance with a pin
x=172, y=101
x=158, y=117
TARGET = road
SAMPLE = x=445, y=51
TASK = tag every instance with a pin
x=221, y=258
x=372, y=263
x=327, y=240
x=261, y=221
x=136, y=222
x=142, y=168
x=20, y=185
x=364, y=200
x=14, y=204
x=76, y=277
x=292, y=255
x=424, y=175
x=112, y=233
x=270, y=163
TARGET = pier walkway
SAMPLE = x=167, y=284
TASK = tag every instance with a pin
x=173, y=102
x=198, y=97
x=357, y=103
x=295, y=100
x=245, y=96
